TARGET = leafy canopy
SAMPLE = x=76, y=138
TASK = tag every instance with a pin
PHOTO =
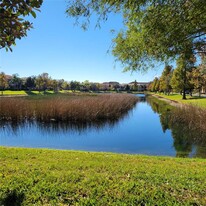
x=155, y=29
x=12, y=20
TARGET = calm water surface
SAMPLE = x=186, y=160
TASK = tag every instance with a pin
x=142, y=131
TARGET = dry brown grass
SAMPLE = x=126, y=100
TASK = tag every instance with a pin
x=193, y=116
x=57, y=108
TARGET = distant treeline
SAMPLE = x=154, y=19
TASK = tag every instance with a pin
x=44, y=82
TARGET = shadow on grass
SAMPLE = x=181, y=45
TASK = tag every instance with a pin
x=30, y=93
x=195, y=97
x=12, y=198
x=41, y=93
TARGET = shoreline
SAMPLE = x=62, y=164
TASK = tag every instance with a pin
x=169, y=101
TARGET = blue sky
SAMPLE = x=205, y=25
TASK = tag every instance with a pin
x=65, y=51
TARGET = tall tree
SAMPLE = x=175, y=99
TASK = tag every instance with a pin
x=155, y=85
x=65, y=85
x=3, y=82
x=61, y=84
x=13, y=25
x=181, y=76
x=30, y=83
x=43, y=81
x=165, y=80
x=15, y=82
x=86, y=85
x=54, y=85
x=39, y=83
x=74, y=85
x=198, y=79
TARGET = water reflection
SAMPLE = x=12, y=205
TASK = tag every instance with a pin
x=187, y=142
x=146, y=129
x=55, y=127
x=141, y=97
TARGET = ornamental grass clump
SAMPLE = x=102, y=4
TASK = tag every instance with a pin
x=61, y=108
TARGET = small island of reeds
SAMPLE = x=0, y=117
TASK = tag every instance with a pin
x=66, y=108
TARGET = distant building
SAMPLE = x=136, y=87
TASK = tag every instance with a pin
x=139, y=86
x=110, y=85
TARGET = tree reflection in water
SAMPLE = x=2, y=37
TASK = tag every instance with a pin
x=66, y=126
x=187, y=142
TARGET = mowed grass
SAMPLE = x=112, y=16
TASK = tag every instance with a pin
x=54, y=177
x=194, y=100
x=10, y=92
x=33, y=92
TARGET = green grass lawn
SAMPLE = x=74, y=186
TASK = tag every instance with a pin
x=54, y=177
x=33, y=93
x=198, y=101
x=9, y=92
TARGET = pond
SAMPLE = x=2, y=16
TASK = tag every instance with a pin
x=144, y=130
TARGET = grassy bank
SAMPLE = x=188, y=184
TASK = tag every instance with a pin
x=187, y=126
x=64, y=108
x=49, y=177
x=195, y=101
x=191, y=116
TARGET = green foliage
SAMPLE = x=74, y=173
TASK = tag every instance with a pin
x=135, y=86
x=30, y=82
x=13, y=25
x=185, y=77
x=165, y=79
x=74, y=85
x=181, y=76
x=52, y=177
x=155, y=85
x=15, y=82
x=185, y=123
x=198, y=77
x=3, y=82
x=161, y=31
x=154, y=30
x=43, y=81
x=177, y=80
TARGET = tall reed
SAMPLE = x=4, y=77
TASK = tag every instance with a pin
x=84, y=109
x=195, y=117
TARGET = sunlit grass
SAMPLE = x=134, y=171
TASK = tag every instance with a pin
x=36, y=92
x=53, y=177
x=194, y=100
x=24, y=92
x=9, y=92
x=201, y=102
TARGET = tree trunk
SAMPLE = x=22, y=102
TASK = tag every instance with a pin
x=184, y=94
x=184, y=84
